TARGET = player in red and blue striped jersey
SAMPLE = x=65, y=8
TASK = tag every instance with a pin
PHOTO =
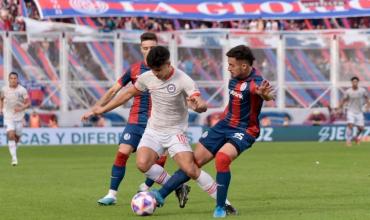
x=131, y=135
x=236, y=132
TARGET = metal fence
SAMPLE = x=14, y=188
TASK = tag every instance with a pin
x=308, y=69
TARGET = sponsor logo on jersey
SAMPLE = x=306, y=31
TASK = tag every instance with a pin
x=171, y=88
x=90, y=7
x=205, y=134
x=236, y=94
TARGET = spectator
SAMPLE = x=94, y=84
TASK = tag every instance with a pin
x=213, y=118
x=316, y=118
x=53, y=121
x=286, y=121
x=34, y=120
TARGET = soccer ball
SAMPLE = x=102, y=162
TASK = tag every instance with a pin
x=143, y=203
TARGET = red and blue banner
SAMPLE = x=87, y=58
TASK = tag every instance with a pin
x=205, y=10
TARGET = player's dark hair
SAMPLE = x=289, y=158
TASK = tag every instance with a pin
x=157, y=56
x=241, y=52
x=355, y=78
x=13, y=73
x=148, y=36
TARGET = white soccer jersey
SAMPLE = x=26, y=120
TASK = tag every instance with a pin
x=169, y=106
x=355, y=99
x=13, y=97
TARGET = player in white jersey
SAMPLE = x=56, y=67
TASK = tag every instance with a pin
x=356, y=99
x=171, y=91
x=14, y=101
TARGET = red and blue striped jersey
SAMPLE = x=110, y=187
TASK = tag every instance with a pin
x=244, y=104
x=140, y=109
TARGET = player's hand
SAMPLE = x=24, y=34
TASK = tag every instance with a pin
x=192, y=102
x=97, y=110
x=265, y=89
x=18, y=109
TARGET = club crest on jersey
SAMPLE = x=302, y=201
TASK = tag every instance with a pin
x=243, y=86
x=171, y=88
x=126, y=136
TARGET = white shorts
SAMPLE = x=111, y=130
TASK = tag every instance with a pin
x=16, y=126
x=355, y=118
x=159, y=142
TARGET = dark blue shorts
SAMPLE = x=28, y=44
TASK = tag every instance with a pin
x=132, y=134
x=214, y=138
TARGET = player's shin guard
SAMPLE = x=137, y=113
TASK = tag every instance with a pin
x=158, y=174
x=118, y=170
x=223, y=177
x=176, y=180
x=161, y=162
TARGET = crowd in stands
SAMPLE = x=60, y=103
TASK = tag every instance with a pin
x=11, y=18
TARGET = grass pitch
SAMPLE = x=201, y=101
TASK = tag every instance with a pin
x=270, y=181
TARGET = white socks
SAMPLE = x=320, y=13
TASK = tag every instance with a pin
x=348, y=134
x=158, y=174
x=12, y=149
x=112, y=193
x=208, y=185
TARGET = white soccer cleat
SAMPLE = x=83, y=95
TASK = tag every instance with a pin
x=143, y=188
x=14, y=162
x=107, y=200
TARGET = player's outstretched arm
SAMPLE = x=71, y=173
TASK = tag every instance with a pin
x=343, y=102
x=121, y=99
x=1, y=103
x=265, y=90
x=109, y=95
x=197, y=104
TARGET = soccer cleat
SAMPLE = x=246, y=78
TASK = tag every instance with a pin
x=219, y=212
x=143, y=188
x=107, y=200
x=358, y=140
x=182, y=194
x=158, y=197
x=14, y=162
x=230, y=210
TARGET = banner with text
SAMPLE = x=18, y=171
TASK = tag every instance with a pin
x=80, y=136
x=205, y=10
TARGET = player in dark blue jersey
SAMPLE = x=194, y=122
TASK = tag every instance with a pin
x=131, y=135
x=237, y=130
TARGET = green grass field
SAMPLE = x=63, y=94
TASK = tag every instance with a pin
x=270, y=181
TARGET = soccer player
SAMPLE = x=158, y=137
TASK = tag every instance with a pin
x=236, y=132
x=14, y=101
x=356, y=97
x=139, y=114
x=171, y=90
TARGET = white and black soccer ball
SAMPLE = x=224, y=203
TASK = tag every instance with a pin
x=143, y=203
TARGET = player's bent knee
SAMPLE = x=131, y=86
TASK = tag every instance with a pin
x=125, y=149
x=223, y=162
x=143, y=165
x=191, y=171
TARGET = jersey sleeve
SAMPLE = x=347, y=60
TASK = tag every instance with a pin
x=190, y=88
x=366, y=94
x=141, y=83
x=254, y=84
x=125, y=78
x=25, y=94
